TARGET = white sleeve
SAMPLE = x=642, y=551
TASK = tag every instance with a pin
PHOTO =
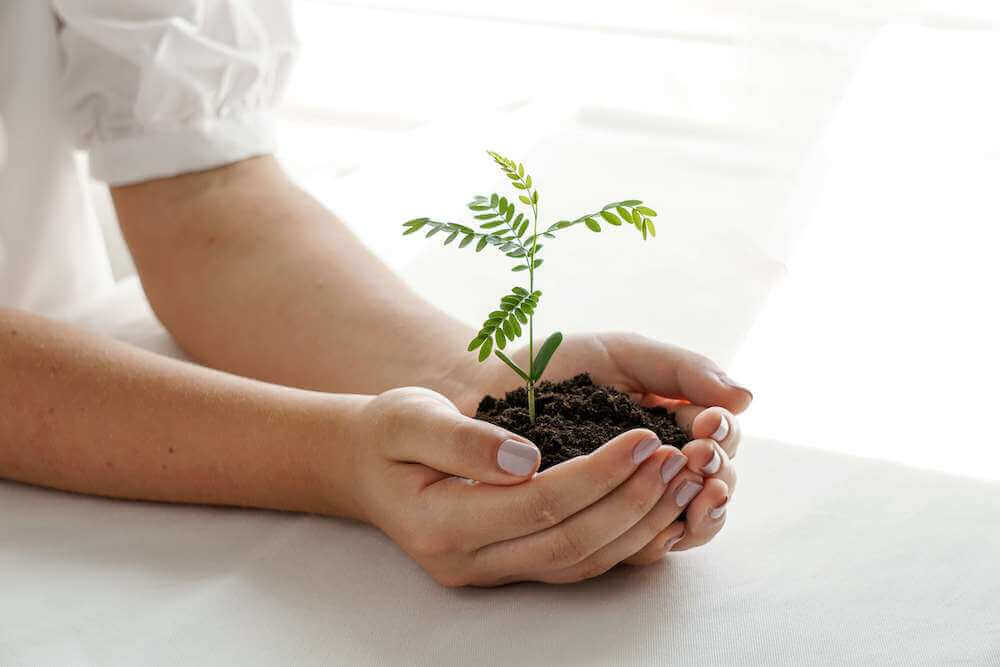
x=156, y=88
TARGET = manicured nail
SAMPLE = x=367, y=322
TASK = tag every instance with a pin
x=672, y=466
x=726, y=380
x=672, y=541
x=713, y=466
x=518, y=458
x=644, y=449
x=723, y=430
x=717, y=512
x=686, y=492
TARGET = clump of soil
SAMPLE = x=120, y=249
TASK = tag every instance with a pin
x=576, y=417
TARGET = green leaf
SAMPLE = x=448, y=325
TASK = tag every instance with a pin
x=484, y=351
x=482, y=244
x=498, y=313
x=537, y=263
x=485, y=216
x=520, y=170
x=519, y=186
x=534, y=197
x=652, y=227
x=625, y=215
x=414, y=228
x=451, y=237
x=510, y=214
x=644, y=229
x=466, y=240
x=527, y=180
x=520, y=291
x=519, y=314
x=514, y=367
x=491, y=225
x=417, y=221
x=477, y=341
x=502, y=206
x=523, y=229
x=500, y=338
x=630, y=202
x=544, y=355
x=611, y=218
x=524, y=200
x=432, y=232
x=479, y=206
x=646, y=211
x=520, y=267
x=508, y=329
x=592, y=225
x=514, y=326
x=517, y=254
x=494, y=200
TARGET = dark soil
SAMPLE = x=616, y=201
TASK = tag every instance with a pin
x=576, y=417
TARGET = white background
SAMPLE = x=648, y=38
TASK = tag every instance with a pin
x=827, y=173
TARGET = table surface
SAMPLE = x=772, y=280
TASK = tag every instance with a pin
x=825, y=558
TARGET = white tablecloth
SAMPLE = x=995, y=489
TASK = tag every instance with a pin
x=825, y=559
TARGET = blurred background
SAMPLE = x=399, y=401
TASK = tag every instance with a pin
x=827, y=175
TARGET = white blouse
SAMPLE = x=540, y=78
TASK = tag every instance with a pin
x=148, y=88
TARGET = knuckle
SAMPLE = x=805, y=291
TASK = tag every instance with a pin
x=603, y=478
x=639, y=501
x=541, y=509
x=432, y=544
x=564, y=549
x=595, y=568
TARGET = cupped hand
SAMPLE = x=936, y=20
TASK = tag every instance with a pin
x=702, y=397
x=461, y=498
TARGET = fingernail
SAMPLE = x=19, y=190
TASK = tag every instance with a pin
x=726, y=380
x=644, y=449
x=672, y=466
x=713, y=466
x=723, y=430
x=517, y=458
x=717, y=512
x=686, y=492
x=672, y=541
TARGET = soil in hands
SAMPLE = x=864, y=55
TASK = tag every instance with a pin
x=576, y=417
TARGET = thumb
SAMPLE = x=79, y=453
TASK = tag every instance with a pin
x=458, y=445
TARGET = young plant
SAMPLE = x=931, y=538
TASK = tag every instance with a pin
x=506, y=228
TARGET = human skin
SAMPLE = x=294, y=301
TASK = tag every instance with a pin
x=295, y=300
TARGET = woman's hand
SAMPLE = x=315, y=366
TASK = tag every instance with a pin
x=415, y=461
x=699, y=393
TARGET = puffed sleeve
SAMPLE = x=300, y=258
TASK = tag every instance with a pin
x=155, y=88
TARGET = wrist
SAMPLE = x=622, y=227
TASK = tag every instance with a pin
x=334, y=441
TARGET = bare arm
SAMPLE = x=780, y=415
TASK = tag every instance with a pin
x=252, y=275
x=91, y=415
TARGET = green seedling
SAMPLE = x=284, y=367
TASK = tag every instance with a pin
x=506, y=228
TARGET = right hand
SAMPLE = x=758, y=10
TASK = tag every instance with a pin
x=431, y=479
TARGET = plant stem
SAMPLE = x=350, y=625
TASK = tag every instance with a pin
x=531, y=316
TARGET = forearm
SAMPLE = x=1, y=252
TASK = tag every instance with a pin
x=253, y=276
x=92, y=415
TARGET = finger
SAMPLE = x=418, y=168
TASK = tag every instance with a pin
x=659, y=546
x=673, y=372
x=706, y=457
x=718, y=424
x=583, y=534
x=705, y=515
x=664, y=514
x=427, y=429
x=490, y=514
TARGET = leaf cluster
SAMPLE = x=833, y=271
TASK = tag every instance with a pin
x=504, y=324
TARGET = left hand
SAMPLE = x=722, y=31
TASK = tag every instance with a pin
x=699, y=393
